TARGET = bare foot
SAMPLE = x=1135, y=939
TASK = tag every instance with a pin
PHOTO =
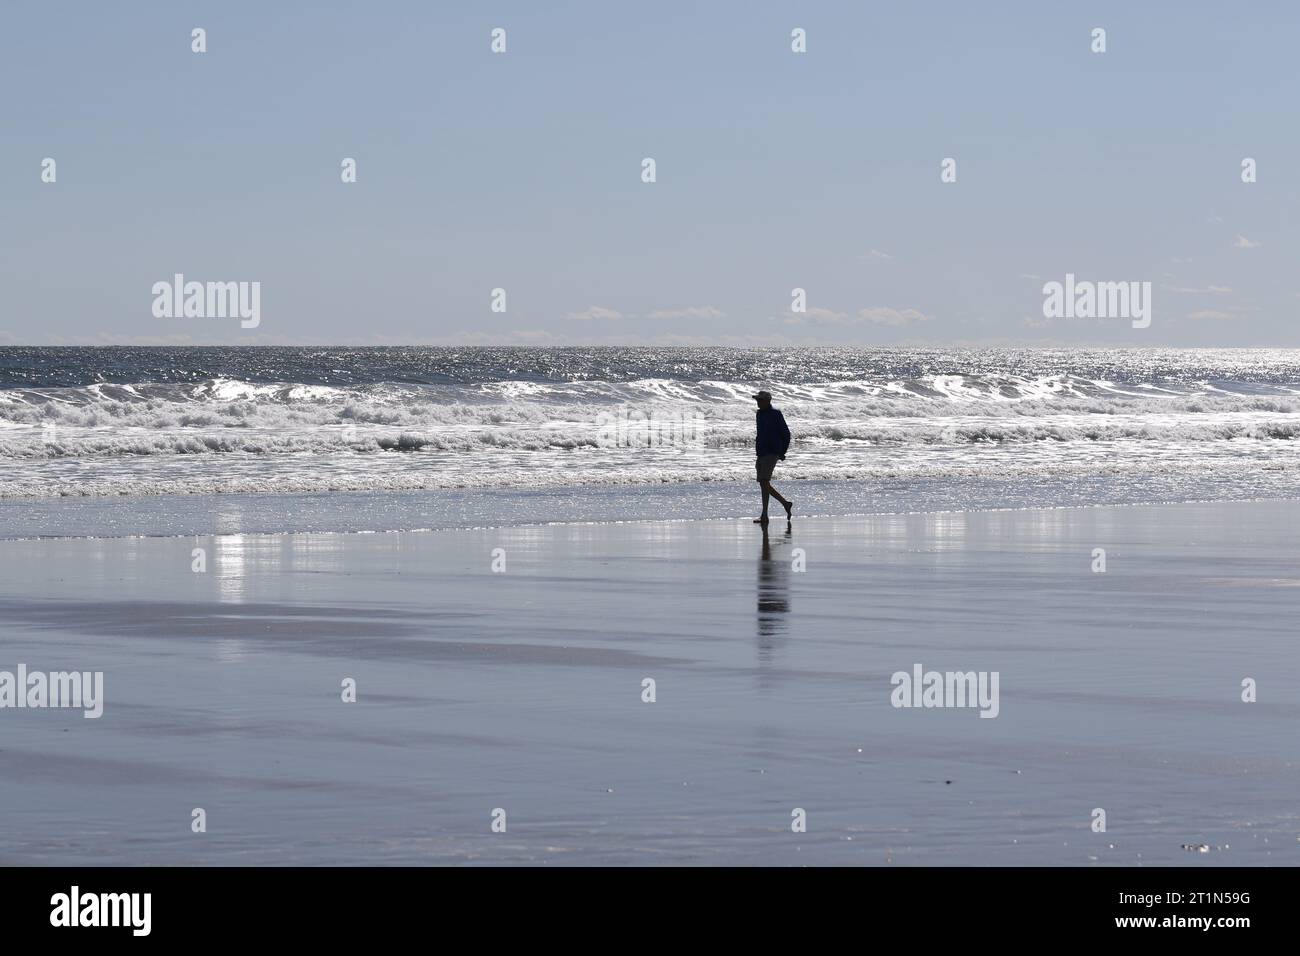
x=789, y=507
x=762, y=520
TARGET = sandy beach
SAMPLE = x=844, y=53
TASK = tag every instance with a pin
x=521, y=688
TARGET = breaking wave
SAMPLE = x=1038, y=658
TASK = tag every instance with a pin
x=296, y=419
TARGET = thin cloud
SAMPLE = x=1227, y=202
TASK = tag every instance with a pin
x=1208, y=290
x=883, y=315
x=817, y=316
x=1210, y=314
x=877, y=315
x=596, y=313
x=689, y=312
x=1241, y=242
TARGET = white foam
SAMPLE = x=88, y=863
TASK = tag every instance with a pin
x=284, y=436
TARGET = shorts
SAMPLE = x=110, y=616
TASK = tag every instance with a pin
x=765, y=464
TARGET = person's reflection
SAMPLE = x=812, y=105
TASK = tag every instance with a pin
x=773, y=595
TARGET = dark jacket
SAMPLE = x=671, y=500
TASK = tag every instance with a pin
x=773, y=435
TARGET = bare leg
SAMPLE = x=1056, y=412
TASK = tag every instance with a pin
x=769, y=490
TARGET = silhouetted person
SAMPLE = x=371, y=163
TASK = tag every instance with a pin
x=770, y=445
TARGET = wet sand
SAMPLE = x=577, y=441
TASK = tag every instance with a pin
x=522, y=690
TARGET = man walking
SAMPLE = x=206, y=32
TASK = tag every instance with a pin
x=770, y=445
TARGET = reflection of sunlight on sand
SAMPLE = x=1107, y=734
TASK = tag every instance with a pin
x=231, y=651
x=940, y=531
x=1038, y=528
x=307, y=553
x=106, y=562
x=230, y=554
x=948, y=530
x=255, y=566
x=529, y=538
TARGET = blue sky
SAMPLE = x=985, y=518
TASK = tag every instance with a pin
x=775, y=170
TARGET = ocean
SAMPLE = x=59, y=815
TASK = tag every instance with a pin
x=404, y=438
